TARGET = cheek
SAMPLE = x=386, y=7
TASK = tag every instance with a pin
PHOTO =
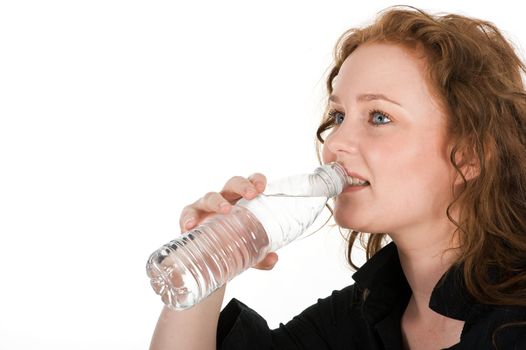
x=418, y=177
x=410, y=167
x=414, y=156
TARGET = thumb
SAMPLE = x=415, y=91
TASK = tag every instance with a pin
x=268, y=262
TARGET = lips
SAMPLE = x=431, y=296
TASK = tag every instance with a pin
x=355, y=178
x=352, y=181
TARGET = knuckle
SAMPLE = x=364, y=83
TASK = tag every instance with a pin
x=256, y=177
x=213, y=200
x=186, y=210
x=236, y=183
x=209, y=196
x=259, y=180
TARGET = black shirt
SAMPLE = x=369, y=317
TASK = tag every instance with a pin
x=367, y=315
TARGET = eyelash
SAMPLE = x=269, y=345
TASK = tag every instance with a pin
x=332, y=114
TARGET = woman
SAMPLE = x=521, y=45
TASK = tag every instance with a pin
x=431, y=111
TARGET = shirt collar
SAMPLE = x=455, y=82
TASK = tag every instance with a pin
x=385, y=288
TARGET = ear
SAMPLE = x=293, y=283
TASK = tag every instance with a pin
x=469, y=165
x=470, y=171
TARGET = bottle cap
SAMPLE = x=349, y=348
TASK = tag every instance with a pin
x=334, y=176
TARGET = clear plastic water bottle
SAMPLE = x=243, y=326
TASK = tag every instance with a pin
x=188, y=269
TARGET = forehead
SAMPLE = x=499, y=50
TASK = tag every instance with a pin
x=383, y=66
x=396, y=72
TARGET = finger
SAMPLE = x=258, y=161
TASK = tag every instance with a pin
x=188, y=218
x=268, y=262
x=259, y=180
x=238, y=187
x=213, y=202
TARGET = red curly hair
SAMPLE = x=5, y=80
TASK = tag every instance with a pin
x=477, y=76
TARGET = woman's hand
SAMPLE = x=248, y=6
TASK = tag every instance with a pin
x=220, y=203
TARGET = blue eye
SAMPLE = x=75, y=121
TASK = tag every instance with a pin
x=379, y=116
x=336, y=116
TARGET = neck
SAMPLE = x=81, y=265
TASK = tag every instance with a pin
x=424, y=261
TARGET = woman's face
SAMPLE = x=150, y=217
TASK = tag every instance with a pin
x=390, y=130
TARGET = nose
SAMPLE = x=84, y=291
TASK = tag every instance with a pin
x=343, y=139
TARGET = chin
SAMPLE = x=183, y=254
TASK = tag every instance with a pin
x=358, y=223
x=346, y=222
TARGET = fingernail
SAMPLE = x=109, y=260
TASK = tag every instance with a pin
x=189, y=223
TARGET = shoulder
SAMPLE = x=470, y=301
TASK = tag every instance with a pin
x=333, y=322
x=329, y=323
x=339, y=303
x=503, y=325
x=510, y=330
x=339, y=312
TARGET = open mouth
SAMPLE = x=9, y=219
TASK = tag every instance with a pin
x=352, y=181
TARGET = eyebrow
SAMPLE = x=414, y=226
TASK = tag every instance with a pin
x=367, y=97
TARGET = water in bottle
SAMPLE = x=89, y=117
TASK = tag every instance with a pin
x=187, y=269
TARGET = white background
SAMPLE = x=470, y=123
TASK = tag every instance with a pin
x=116, y=114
